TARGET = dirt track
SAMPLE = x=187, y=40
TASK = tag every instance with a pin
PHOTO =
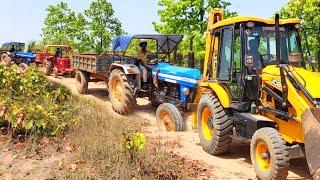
x=235, y=165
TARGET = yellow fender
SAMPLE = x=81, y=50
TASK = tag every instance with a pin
x=206, y=88
x=218, y=89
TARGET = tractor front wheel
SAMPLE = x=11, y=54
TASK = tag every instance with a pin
x=214, y=125
x=169, y=118
x=121, y=92
x=269, y=154
x=23, y=68
x=47, y=67
x=5, y=60
x=82, y=79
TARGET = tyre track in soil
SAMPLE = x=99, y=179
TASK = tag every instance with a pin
x=234, y=165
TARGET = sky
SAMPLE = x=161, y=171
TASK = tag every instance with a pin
x=24, y=21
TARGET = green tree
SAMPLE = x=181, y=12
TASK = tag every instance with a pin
x=309, y=12
x=102, y=25
x=188, y=17
x=58, y=27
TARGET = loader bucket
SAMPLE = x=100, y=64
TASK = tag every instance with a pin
x=311, y=129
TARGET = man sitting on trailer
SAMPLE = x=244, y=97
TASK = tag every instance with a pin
x=142, y=56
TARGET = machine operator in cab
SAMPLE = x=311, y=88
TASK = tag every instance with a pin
x=142, y=56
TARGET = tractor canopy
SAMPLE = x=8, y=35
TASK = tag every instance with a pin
x=18, y=46
x=63, y=47
x=165, y=43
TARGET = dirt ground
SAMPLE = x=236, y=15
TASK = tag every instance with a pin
x=235, y=165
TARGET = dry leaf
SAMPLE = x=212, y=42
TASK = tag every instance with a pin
x=20, y=118
x=73, y=167
x=69, y=148
x=79, y=162
x=3, y=138
x=19, y=146
x=2, y=110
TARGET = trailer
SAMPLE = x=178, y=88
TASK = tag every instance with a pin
x=122, y=72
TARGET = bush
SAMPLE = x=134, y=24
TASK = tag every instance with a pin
x=31, y=104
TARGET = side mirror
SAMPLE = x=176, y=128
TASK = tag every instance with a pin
x=248, y=60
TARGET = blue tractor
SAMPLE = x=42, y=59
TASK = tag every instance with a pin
x=169, y=88
x=13, y=52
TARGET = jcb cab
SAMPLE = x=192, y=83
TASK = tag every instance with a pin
x=256, y=88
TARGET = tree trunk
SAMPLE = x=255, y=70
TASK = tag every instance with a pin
x=191, y=54
x=101, y=44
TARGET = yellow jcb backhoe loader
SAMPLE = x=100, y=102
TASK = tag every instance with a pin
x=256, y=88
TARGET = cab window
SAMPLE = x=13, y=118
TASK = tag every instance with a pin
x=225, y=55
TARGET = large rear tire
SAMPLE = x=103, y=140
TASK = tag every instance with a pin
x=82, y=79
x=121, y=92
x=47, y=67
x=215, y=127
x=169, y=118
x=269, y=154
x=5, y=60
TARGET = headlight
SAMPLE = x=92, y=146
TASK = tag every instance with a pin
x=186, y=91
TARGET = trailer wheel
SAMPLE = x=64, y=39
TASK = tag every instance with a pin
x=5, y=60
x=82, y=79
x=215, y=127
x=47, y=67
x=23, y=68
x=55, y=72
x=121, y=93
x=169, y=118
x=269, y=154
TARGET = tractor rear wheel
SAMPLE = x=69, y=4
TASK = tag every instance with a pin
x=169, y=118
x=5, y=60
x=269, y=154
x=47, y=67
x=214, y=125
x=82, y=79
x=121, y=92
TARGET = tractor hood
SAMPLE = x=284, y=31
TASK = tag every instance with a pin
x=25, y=54
x=310, y=80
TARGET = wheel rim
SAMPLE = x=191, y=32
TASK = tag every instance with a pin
x=206, y=124
x=263, y=156
x=117, y=89
x=166, y=121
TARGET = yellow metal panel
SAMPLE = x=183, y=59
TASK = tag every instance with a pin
x=221, y=92
x=240, y=19
x=290, y=131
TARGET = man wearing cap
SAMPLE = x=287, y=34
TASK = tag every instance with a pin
x=142, y=56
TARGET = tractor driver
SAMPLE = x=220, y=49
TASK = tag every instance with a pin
x=142, y=56
x=58, y=53
x=12, y=51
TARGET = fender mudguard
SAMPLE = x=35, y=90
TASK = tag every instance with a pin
x=222, y=94
x=127, y=68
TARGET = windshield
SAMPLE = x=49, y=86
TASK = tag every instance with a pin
x=261, y=45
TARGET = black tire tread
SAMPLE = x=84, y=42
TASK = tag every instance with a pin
x=221, y=142
x=130, y=101
x=174, y=112
x=82, y=85
x=278, y=149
